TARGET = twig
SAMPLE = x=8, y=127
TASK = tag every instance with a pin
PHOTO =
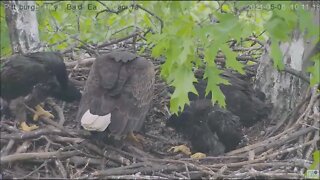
x=65, y=130
x=33, y=134
x=112, y=157
x=8, y=148
x=35, y=170
x=179, y=175
x=61, y=168
x=8, y=128
x=135, y=176
x=288, y=139
x=24, y=147
x=217, y=158
x=79, y=160
x=277, y=164
x=272, y=175
x=297, y=74
x=126, y=154
x=117, y=40
x=152, y=14
x=147, y=168
x=289, y=149
x=85, y=62
x=59, y=110
x=79, y=172
x=281, y=122
x=37, y=155
x=271, y=140
x=122, y=29
x=165, y=175
x=199, y=167
x=66, y=139
x=110, y=10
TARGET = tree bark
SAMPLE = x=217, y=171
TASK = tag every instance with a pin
x=283, y=89
x=23, y=25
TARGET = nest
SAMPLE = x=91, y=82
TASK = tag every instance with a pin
x=59, y=149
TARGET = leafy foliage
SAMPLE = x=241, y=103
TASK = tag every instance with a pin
x=187, y=34
x=4, y=34
x=315, y=70
x=316, y=161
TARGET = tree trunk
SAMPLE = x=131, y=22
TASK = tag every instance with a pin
x=23, y=25
x=283, y=89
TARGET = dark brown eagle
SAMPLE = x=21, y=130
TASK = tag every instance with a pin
x=117, y=94
x=29, y=79
x=193, y=124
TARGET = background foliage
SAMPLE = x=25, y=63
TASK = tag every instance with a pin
x=187, y=34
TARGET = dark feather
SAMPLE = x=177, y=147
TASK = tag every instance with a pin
x=192, y=123
x=22, y=73
x=227, y=126
x=241, y=99
x=36, y=76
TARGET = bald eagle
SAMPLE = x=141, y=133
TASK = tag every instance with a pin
x=117, y=94
x=29, y=79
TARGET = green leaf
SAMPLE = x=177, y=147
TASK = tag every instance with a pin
x=315, y=70
x=277, y=28
x=212, y=74
x=112, y=18
x=172, y=53
x=57, y=15
x=183, y=83
x=276, y=55
x=226, y=8
x=147, y=20
x=188, y=49
x=228, y=22
x=231, y=60
x=159, y=48
x=210, y=54
x=123, y=22
x=305, y=19
x=4, y=34
x=316, y=160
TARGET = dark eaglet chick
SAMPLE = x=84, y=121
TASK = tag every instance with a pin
x=192, y=123
x=29, y=79
x=117, y=94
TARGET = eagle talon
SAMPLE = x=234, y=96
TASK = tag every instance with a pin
x=182, y=148
x=198, y=155
x=25, y=127
x=135, y=138
x=41, y=112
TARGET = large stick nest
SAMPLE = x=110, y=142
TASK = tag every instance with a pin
x=60, y=150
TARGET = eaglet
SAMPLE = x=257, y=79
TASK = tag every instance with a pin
x=27, y=80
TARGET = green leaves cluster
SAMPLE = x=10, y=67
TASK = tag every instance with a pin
x=182, y=38
x=283, y=22
x=316, y=161
x=315, y=70
x=190, y=31
x=187, y=30
x=5, y=48
x=83, y=25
